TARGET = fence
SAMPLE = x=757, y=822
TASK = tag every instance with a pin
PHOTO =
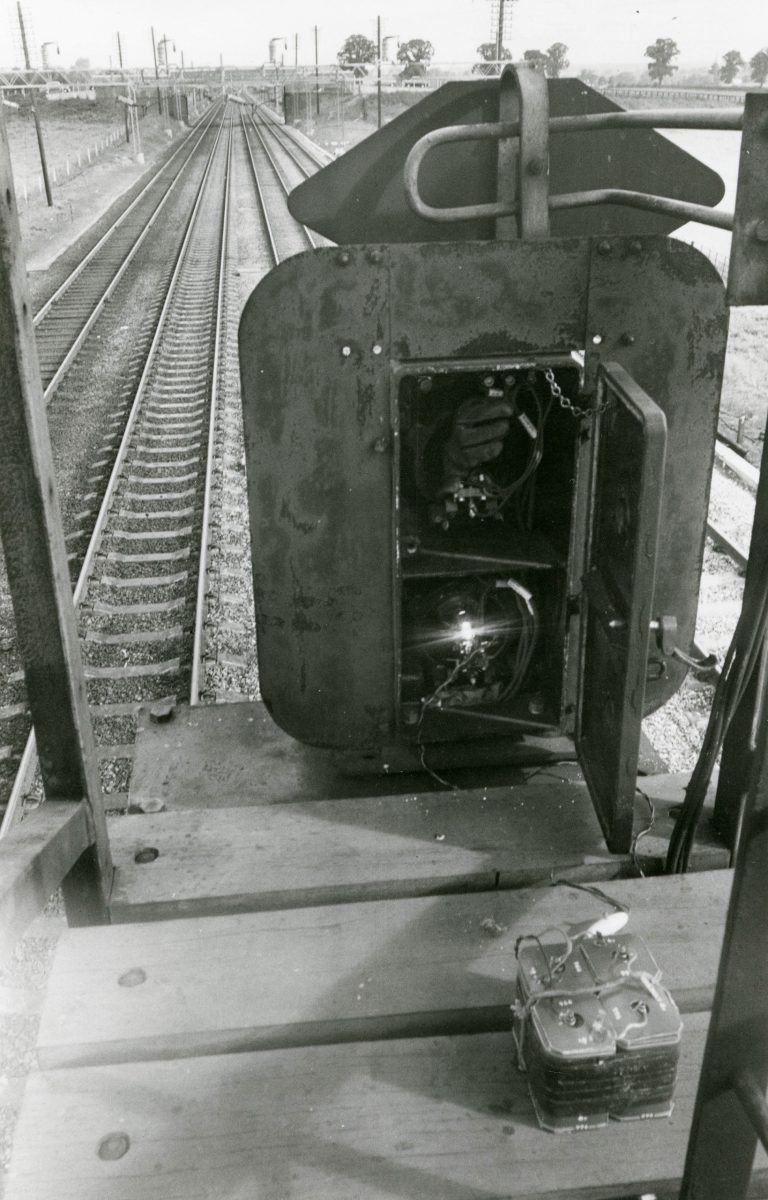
x=708, y=95
x=30, y=188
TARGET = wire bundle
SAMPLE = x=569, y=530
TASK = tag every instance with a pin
x=738, y=668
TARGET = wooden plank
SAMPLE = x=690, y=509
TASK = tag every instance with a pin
x=423, y=1119
x=211, y=755
x=34, y=858
x=337, y=851
x=36, y=562
x=395, y=968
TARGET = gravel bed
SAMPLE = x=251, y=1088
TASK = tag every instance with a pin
x=732, y=508
x=230, y=628
x=676, y=730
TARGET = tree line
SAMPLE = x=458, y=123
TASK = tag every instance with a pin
x=417, y=53
x=665, y=50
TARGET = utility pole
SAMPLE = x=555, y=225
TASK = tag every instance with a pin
x=501, y=11
x=119, y=51
x=33, y=110
x=500, y=32
x=296, y=50
x=24, y=45
x=157, y=73
x=164, y=40
x=317, y=78
x=378, y=71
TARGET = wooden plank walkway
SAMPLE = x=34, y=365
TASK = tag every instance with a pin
x=360, y=971
x=418, y=1119
x=334, y=851
x=309, y=1000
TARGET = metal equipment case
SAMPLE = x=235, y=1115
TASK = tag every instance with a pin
x=365, y=578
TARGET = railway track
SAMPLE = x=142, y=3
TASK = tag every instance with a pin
x=152, y=560
x=66, y=318
x=277, y=173
x=137, y=589
x=305, y=159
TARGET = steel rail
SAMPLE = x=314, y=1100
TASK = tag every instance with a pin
x=281, y=135
x=77, y=271
x=727, y=546
x=278, y=174
x=29, y=757
x=202, y=573
x=260, y=194
x=74, y=349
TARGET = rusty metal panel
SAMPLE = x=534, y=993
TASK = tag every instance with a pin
x=318, y=341
x=658, y=307
x=314, y=353
x=361, y=196
x=488, y=298
x=618, y=593
x=748, y=270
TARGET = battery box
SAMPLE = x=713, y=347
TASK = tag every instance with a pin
x=596, y=1032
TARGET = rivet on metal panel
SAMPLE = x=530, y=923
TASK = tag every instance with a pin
x=132, y=978
x=343, y=258
x=375, y=256
x=425, y=384
x=627, y=339
x=635, y=246
x=603, y=247
x=147, y=855
x=597, y=339
x=159, y=713
x=113, y=1146
x=346, y=351
x=761, y=230
x=381, y=445
x=376, y=348
x=536, y=166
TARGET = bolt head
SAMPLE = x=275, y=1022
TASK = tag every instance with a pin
x=375, y=256
x=603, y=247
x=636, y=246
x=381, y=445
x=133, y=978
x=113, y=1146
x=343, y=258
x=627, y=339
x=536, y=166
x=147, y=854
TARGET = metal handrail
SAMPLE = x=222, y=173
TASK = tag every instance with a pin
x=728, y=119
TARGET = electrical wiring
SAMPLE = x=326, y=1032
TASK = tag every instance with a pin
x=641, y=833
x=738, y=668
x=428, y=703
x=430, y=437
x=592, y=890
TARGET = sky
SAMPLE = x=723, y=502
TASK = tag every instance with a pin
x=597, y=32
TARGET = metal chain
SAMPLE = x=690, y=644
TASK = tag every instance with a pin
x=574, y=409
